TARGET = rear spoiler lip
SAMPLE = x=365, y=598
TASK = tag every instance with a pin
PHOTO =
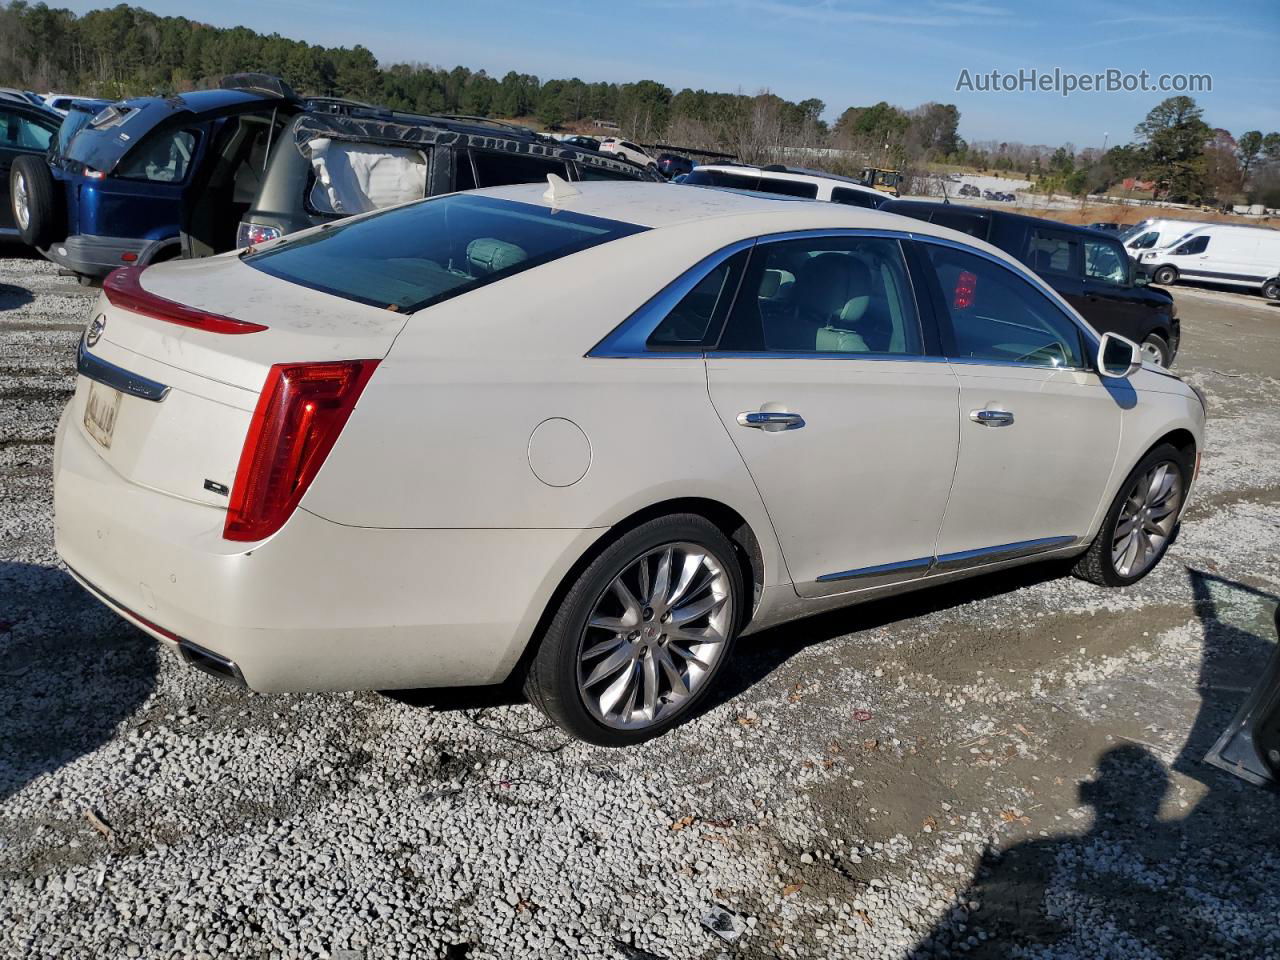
x=123, y=288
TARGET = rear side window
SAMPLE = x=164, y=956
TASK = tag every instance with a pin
x=162, y=158
x=589, y=171
x=1053, y=253
x=1194, y=245
x=411, y=257
x=855, y=198
x=718, y=178
x=17, y=131
x=974, y=226
x=500, y=169
x=788, y=188
x=689, y=322
x=997, y=315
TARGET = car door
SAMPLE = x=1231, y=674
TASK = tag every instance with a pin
x=831, y=389
x=20, y=135
x=1039, y=430
x=1112, y=304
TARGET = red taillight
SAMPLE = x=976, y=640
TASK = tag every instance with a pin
x=966, y=284
x=302, y=410
x=123, y=289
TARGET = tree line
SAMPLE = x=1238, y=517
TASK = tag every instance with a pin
x=128, y=51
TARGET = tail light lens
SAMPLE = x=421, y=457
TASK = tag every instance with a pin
x=249, y=234
x=966, y=285
x=124, y=289
x=299, y=416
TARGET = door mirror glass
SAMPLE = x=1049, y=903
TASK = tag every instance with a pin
x=1118, y=357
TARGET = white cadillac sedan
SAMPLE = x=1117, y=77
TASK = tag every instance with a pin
x=588, y=435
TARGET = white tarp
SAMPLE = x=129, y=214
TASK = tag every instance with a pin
x=357, y=177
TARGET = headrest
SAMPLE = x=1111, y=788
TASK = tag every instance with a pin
x=487, y=255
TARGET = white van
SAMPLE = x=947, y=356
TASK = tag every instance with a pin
x=1157, y=232
x=787, y=182
x=1221, y=253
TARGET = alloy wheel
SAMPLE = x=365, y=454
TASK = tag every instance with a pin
x=1151, y=351
x=654, y=636
x=21, y=201
x=1146, y=520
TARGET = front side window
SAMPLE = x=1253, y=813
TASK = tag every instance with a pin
x=591, y=171
x=18, y=132
x=1146, y=241
x=1053, y=253
x=1107, y=261
x=163, y=158
x=410, y=257
x=997, y=315
x=845, y=295
x=1194, y=245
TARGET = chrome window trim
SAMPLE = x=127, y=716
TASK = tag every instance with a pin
x=629, y=339
x=802, y=355
x=1091, y=337
x=116, y=377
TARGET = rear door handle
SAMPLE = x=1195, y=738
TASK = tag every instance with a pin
x=991, y=418
x=770, y=421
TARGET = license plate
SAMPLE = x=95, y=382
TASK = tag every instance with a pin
x=100, y=412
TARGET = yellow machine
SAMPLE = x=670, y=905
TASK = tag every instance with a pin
x=889, y=181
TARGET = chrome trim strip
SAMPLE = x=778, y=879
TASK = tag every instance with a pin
x=628, y=339
x=901, y=566
x=118, y=378
x=801, y=355
x=1004, y=551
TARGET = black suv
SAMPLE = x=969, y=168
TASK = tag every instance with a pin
x=331, y=165
x=1088, y=268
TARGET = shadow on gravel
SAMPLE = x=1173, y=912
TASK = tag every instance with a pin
x=70, y=672
x=1136, y=885
x=11, y=297
x=758, y=655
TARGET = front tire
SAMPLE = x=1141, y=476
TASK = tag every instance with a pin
x=1140, y=525
x=1156, y=349
x=642, y=634
x=1271, y=289
x=1165, y=276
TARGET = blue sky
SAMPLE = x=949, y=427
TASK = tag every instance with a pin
x=845, y=52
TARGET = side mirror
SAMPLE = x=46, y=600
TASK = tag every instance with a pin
x=1118, y=357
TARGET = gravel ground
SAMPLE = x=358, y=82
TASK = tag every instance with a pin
x=1005, y=767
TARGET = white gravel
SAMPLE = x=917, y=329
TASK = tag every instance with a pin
x=1000, y=768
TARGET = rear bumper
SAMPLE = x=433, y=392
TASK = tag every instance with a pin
x=319, y=606
x=97, y=256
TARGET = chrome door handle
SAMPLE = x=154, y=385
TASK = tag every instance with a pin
x=770, y=420
x=992, y=418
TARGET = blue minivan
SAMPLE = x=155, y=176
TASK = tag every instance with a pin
x=152, y=178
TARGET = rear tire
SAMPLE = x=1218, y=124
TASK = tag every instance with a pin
x=34, y=199
x=1139, y=510
x=606, y=644
x=1165, y=276
x=1156, y=348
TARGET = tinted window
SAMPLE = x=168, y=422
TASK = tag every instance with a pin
x=1106, y=261
x=1194, y=245
x=19, y=132
x=164, y=158
x=588, y=171
x=997, y=315
x=825, y=295
x=973, y=225
x=500, y=169
x=1146, y=241
x=855, y=198
x=411, y=257
x=718, y=178
x=788, y=188
x=689, y=322
x=1053, y=253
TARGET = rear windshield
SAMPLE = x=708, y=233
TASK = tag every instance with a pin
x=414, y=256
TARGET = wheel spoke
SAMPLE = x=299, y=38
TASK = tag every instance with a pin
x=688, y=573
x=627, y=599
x=662, y=580
x=616, y=624
x=698, y=608
x=619, y=690
x=610, y=665
x=679, y=688
x=650, y=680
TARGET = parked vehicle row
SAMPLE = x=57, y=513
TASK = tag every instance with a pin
x=1089, y=269
x=1230, y=254
x=453, y=441
x=151, y=179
